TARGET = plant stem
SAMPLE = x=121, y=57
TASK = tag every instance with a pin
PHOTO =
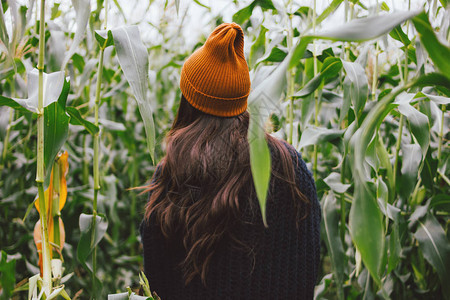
x=46, y=260
x=375, y=72
x=397, y=148
x=291, y=76
x=8, y=128
x=46, y=268
x=441, y=135
x=96, y=137
x=375, y=66
x=8, y=131
x=85, y=162
x=316, y=94
x=96, y=163
x=96, y=153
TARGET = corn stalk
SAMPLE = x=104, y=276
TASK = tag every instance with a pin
x=96, y=150
x=316, y=92
x=291, y=76
x=46, y=276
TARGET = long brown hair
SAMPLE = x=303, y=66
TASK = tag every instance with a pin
x=196, y=193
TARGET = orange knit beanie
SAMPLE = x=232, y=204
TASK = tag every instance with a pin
x=215, y=78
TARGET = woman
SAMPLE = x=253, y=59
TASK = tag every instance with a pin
x=202, y=233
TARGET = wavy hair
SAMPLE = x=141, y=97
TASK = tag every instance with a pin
x=198, y=188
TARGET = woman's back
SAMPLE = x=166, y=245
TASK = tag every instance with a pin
x=278, y=262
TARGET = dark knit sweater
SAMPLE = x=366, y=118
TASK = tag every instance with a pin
x=283, y=263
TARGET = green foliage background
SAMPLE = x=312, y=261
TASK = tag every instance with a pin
x=365, y=102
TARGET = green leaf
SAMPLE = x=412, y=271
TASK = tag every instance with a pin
x=262, y=100
x=104, y=38
x=434, y=79
x=82, y=12
x=357, y=86
x=395, y=246
x=440, y=202
x=260, y=160
x=420, y=126
x=275, y=55
x=385, y=163
x=384, y=6
x=86, y=244
x=309, y=87
x=366, y=225
x=398, y=34
x=89, y=240
x=334, y=182
x=177, y=5
x=331, y=67
x=4, y=101
x=429, y=170
x=6, y=71
x=365, y=219
x=202, y=5
x=438, y=99
x=265, y=4
x=56, y=128
x=244, y=14
x=7, y=275
x=133, y=59
x=411, y=159
x=53, y=85
x=318, y=135
x=55, y=11
x=333, y=240
x=366, y=28
x=258, y=47
x=330, y=9
x=438, y=52
x=299, y=51
x=436, y=249
x=4, y=38
x=77, y=119
x=303, y=11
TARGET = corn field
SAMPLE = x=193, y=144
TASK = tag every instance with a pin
x=90, y=88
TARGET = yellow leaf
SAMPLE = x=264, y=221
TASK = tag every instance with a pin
x=64, y=168
x=50, y=194
x=38, y=237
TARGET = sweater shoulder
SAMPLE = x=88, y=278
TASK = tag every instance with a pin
x=303, y=174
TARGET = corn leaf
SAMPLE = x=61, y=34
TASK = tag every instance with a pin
x=82, y=12
x=7, y=279
x=439, y=53
x=133, y=59
x=333, y=240
x=53, y=86
x=365, y=29
x=56, y=128
x=436, y=249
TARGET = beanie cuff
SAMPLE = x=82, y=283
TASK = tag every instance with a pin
x=216, y=106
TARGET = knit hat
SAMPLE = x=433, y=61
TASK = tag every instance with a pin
x=215, y=78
